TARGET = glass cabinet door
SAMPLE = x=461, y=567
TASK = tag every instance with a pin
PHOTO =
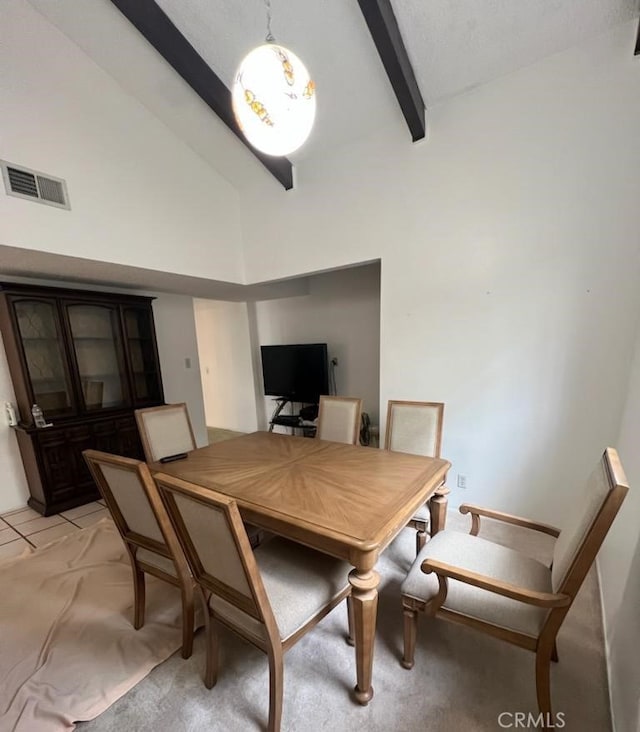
x=96, y=341
x=145, y=374
x=41, y=337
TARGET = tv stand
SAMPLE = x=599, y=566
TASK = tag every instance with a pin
x=281, y=404
x=293, y=421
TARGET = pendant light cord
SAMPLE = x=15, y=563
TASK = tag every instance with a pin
x=269, y=38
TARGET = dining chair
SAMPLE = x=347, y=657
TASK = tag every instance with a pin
x=165, y=430
x=133, y=500
x=339, y=419
x=506, y=593
x=270, y=597
x=415, y=428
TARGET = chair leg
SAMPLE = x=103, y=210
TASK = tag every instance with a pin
x=211, y=670
x=554, y=652
x=543, y=680
x=350, y=639
x=410, y=633
x=421, y=537
x=138, y=596
x=276, y=685
x=187, y=621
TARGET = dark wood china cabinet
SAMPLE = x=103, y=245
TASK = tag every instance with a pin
x=87, y=359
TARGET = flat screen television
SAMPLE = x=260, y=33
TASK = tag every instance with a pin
x=298, y=373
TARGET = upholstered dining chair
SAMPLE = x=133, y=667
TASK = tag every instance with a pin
x=415, y=428
x=339, y=419
x=508, y=594
x=165, y=431
x=270, y=597
x=151, y=543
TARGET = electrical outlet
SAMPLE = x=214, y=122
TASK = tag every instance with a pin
x=187, y=363
x=462, y=481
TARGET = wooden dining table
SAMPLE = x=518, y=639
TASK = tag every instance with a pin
x=344, y=500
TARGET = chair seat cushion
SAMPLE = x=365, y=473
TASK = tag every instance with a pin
x=493, y=560
x=299, y=582
x=422, y=514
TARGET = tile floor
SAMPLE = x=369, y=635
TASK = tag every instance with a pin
x=24, y=527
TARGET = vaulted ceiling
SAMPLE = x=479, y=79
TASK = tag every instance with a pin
x=452, y=46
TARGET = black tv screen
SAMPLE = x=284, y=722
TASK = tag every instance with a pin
x=296, y=372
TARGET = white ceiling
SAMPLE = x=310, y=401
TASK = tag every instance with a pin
x=454, y=46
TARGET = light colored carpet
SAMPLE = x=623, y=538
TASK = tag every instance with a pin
x=461, y=682
x=68, y=648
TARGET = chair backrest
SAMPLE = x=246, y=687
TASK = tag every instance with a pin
x=215, y=542
x=165, y=431
x=135, y=505
x=339, y=419
x=414, y=427
x=578, y=544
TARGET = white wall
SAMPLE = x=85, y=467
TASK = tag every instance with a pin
x=342, y=309
x=178, y=351
x=508, y=243
x=13, y=486
x=139, y=195
x=224, y=348
x=619, y=566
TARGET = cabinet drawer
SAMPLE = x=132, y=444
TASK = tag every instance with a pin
x=58, y=466
x=129, y=444
x=79, y=439
x=67, y=474
x=105, y=436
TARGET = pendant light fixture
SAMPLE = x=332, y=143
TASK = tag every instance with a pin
x=273, y=97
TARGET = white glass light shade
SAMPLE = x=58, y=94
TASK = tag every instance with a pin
x=274, y=99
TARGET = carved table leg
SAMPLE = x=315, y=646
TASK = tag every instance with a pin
x=438, y=509
x=364, y=601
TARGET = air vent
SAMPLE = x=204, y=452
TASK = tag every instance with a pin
x=34, y=186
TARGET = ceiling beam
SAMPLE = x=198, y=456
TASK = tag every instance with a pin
x=163, y=35
x=384, y=30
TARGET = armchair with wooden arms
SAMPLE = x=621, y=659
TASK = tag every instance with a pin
x=505, y=593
